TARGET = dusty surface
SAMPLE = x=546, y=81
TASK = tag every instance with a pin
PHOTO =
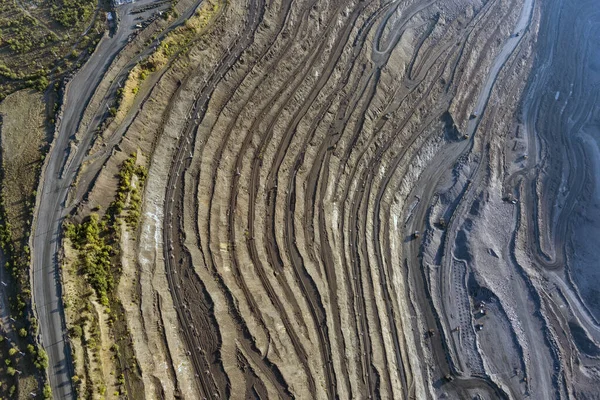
x=23, y=135
x=360, y=199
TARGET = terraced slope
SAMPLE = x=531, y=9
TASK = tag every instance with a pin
x=277, y=209
x=344, y=200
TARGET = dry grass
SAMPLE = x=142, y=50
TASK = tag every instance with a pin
x=27, y=384
x=94, y=363
x=22, y=137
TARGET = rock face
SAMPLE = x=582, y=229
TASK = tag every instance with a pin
x=370, y=199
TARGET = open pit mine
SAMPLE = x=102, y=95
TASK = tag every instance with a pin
x=326, y=199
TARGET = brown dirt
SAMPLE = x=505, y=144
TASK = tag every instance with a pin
x=23, y=135
x=302, y=157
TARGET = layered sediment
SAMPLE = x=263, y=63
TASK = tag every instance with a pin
x=367, y=200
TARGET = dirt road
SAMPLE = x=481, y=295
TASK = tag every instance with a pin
x=52, y=208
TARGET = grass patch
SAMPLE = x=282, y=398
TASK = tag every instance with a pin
x=91, y=251
x=23, y=139
x=37, y=41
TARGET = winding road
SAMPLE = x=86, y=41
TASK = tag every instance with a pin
x=52, y=208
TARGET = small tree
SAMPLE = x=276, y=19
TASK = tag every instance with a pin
x=76, y=331
x=42, y=359
x=47, y=391
x=41, y=83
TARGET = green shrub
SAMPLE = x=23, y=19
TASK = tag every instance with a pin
x=47, y=391
x=71, y=12
x=41, y=84
x=76, y=331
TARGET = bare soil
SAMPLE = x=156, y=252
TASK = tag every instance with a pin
x=362, y=200
x=23, y=136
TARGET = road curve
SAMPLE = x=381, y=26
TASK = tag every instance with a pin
x=51, y=208
x=50, y=213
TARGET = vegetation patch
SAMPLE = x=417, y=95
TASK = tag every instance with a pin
x=16, y=378
x=91, y=251
x=41, y=42
x=90, y=240
x=94, y=238
x=182, y=37
x=86, y=318
x=131, y=179
x=8, y=375
x=70, y=13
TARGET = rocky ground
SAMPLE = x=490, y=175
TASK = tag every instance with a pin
x=358, y=199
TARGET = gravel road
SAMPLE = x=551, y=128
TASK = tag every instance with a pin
x=50, y=213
